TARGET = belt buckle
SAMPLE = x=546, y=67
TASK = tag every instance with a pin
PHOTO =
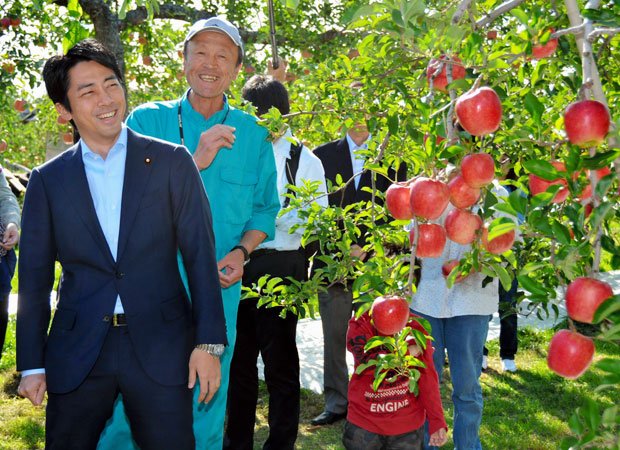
x=115, y=322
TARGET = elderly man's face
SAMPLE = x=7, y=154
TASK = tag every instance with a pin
x=210, y=64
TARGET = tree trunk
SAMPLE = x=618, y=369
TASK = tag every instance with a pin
x=107, y=27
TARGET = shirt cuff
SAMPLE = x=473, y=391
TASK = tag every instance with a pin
x=26, y=373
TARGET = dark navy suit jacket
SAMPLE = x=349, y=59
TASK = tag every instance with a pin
x=164, y=209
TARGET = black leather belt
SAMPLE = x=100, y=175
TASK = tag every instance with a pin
x=118, y=320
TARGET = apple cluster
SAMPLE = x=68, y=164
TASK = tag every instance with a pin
x=7, y=22
x=427, y=199
x=586, y=123
x=571, y=353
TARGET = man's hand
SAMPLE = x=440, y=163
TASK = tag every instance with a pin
x=210, y=142
x=357, y=252
x=11, y=237
x=279, y=73
x=207, y=367
x=438, y=438
x=231, y=268
x=33, y=388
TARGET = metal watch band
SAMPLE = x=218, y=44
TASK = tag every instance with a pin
x=212, y=349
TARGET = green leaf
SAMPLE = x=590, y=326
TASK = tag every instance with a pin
x=542, y=169
x=531, y=285
x=600, y=160
x=521, y=15
x=609, y=365
x=393, y=122
x=561, y=232
x=533, y=106
x=607, y=308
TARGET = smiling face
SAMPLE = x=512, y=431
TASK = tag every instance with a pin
x=210, y=65
x=98, y=105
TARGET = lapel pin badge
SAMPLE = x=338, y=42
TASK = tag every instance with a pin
x=147, y=160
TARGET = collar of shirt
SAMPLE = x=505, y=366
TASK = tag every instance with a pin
x=190, y=114
x=119, y=145
x=282, y=145
x=353, y=146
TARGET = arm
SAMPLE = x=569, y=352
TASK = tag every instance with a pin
x=9, y=214
x=36, y=278
x=194, y=232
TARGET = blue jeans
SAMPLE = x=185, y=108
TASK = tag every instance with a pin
x=463, y=337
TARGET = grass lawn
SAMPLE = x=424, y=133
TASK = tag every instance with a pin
x=525, y=410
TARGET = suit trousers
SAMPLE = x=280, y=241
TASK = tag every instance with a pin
x=336, y=308
x=262, y=330
x=160, y=416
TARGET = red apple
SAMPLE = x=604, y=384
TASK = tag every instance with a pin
x=67, y=138
x=499, y=244
x=448, y=267
x=438, y=139
x=540, y=51
x=570, y=354
x=583, y=296
x=353, y=53
x=15, y=21
x=586, y=123
x=249, y=69
x=431, y=241
x=19, y=105
x=586, y=193
x=142, y=40
x=462, y=195
x=5, y=22
x=8, y=67
x=3, y=146
x=306, y=54
x=492, y=35
x=147, y=60
x=429, y=198
x=538, y=185
x=478, y=169
x=479, y=111
x=390, y=314
x=397, y=201
x=440, y=80
x=462, y=226
x=61, y=120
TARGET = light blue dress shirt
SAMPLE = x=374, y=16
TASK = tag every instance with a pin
x=357, y=160
x=105, y=180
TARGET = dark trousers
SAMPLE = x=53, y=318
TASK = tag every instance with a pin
x=357, y=438
x=263, y=330
x=7, y=269
x=508, y=341
x=160, y=416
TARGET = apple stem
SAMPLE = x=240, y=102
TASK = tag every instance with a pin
x=571, y=325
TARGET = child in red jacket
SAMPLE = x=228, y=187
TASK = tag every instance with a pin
x=391, y=418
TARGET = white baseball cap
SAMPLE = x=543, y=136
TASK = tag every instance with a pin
x=215, y=24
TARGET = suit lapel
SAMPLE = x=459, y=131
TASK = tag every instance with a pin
x=137, y=173
x=75, y=184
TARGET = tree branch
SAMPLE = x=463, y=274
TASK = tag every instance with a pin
x=501, y=9
x=460, y=10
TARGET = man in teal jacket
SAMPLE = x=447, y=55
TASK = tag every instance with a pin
x=236, y=163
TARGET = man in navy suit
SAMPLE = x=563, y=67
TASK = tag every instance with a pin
x=344, y=157
x=114, y=210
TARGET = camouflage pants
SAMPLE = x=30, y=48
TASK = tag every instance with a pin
x=356, y=438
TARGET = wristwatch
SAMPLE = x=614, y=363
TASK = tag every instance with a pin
x=212, y=349
x=246, y=254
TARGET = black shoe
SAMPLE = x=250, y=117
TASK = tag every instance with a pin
x=327, y=418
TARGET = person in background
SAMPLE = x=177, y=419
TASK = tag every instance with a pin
x=262, y=329
x=459, y=318
x=115, y=210
x=9, y=231
x=392, y=417
x=236, y=164
x=342, y=157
